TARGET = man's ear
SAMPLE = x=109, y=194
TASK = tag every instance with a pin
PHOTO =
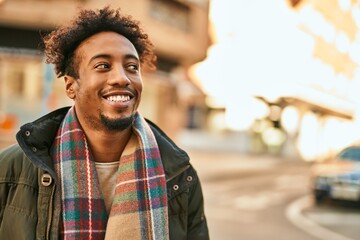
x=70, y=84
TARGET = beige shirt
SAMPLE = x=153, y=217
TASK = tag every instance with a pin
x=107, y=177
x=107, y=173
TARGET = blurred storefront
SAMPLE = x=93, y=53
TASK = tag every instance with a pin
x=28, y=87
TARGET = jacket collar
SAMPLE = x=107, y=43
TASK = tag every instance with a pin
x=36, y=138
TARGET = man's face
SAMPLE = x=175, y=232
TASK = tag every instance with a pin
x=108, y=91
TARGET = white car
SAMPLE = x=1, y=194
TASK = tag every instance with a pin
x=338, y=178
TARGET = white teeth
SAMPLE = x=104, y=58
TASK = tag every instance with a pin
x=119, y=98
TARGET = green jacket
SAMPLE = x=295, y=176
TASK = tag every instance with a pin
x=30, y=198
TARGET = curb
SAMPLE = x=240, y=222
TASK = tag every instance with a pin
x=294, y=214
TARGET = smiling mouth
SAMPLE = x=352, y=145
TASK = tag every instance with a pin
x=119, y=98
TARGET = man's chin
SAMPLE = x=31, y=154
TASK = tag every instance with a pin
x=116, y=124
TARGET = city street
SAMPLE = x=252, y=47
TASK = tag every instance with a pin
x=266, y=197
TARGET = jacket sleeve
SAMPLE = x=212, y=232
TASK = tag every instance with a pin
x=197, y=225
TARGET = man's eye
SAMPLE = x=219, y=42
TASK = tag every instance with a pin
x=133, y=67
x=102, y=66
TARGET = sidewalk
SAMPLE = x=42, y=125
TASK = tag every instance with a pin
x=229, y=142
x=235, y=142
x=235, y=147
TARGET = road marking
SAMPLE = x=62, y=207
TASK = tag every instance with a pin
x=259, y=201
x=293, y=213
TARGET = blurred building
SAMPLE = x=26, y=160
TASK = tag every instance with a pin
x=290, y=71
x=178, y=29
x=327, y=105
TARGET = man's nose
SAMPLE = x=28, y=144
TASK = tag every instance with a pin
x=118, y=76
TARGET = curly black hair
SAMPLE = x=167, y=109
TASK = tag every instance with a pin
x=60, y=44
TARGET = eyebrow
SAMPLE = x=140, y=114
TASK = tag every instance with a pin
x=108, y=56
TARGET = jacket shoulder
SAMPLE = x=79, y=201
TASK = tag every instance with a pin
x=15, y=166
x=7, y=155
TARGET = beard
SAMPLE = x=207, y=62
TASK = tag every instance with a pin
x=117, y=124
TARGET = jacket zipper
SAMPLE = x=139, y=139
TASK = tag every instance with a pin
x=50, y=214
x=180, y=171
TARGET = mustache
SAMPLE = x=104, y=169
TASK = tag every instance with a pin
x=119, y=89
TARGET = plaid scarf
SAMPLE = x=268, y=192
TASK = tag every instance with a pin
x=139, y=209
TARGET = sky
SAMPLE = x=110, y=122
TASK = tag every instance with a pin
x=262, y=47
x=265, y=48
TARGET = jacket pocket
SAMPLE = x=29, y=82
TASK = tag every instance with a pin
x=18, y=211
x=17, y=225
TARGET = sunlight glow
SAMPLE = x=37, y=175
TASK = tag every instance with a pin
x=290, y=119
x=308, y=141
x=274, y=51
x=345, y=5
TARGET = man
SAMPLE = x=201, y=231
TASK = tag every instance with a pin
x=98, y=169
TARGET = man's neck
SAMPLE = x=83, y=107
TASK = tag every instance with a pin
x=107, y=146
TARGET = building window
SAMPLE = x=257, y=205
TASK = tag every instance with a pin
x=16, y=85
x=171, y=12
x=166, y=64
